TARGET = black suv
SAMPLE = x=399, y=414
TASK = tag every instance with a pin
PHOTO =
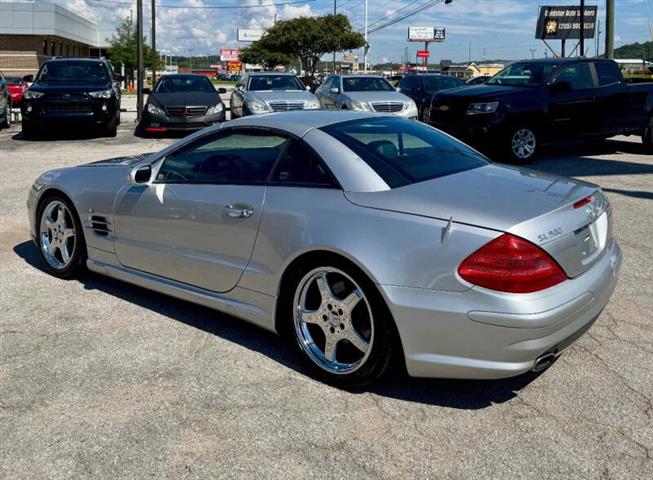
x=5, y=103
x=73, y=91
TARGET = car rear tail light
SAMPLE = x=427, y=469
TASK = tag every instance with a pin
x=582, y=202
x=511, y=264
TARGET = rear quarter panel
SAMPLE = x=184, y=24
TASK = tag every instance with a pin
x=392, y=248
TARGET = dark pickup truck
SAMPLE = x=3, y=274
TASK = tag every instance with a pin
x=530, y=103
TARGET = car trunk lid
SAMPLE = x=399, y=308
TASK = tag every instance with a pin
x=537, y=206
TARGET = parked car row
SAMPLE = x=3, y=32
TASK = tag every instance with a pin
x=510, y=116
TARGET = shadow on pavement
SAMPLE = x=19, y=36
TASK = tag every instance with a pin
x=462, y=394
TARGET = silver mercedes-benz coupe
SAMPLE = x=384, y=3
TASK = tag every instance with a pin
x=366, y=238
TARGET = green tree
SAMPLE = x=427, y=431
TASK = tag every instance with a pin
x=123, y=49
x=305, y=39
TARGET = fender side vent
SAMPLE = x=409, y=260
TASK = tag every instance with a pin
x=100, y=225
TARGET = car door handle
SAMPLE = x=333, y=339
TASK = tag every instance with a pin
x=234, y=211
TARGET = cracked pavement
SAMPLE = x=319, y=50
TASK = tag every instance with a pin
x=100, y=379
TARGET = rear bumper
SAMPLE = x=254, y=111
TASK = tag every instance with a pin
x=482, y=334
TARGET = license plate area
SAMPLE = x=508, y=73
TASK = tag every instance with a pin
x=592, y=238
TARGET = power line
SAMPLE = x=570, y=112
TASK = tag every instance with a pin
x=213, y=7
x=415, y=11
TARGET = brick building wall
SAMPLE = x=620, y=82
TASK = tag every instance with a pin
x=24, y=54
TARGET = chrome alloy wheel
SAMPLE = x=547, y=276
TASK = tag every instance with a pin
x=524, y=143
x=333, y=320
x=57, y=234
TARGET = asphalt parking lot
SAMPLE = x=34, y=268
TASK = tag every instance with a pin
x=100, y=379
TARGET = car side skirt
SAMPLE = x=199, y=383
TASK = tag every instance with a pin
x=248, y=305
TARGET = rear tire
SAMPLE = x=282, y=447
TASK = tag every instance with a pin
x=521, y=144
x=647, y=137
x=325, y=345
x=6, y=121
x=60, y=238
x=27, y=129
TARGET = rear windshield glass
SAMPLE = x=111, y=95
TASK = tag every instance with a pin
x=184, y=84
x=274, y=82
x=435, y=84
x=366, y=84
x=403, y=152
x=94, y=73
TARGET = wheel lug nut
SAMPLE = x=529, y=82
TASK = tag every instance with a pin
x=342, y=326
x=340, y=311
x=329, y=307
x=333, y=330
x=324, y=317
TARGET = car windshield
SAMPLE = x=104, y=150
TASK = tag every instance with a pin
x=403, y=152
x=366, y=84
x=435, y=84
x=94, y=73
x=14, y=80
x=178, y=84
x=528, y=74
x=275, y=82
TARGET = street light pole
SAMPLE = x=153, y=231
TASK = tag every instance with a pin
x=582, y=28
x=609, y=29
x=139, y=58
x=334, y=52
x=366, y=48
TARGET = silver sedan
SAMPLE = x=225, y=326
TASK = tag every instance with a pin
x=367, y=238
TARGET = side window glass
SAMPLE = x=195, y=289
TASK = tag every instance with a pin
x=242, y=158
x=298, y=165
x=608, y=74
x=578, y=76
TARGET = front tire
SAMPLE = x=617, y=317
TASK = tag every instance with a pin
x=60, y=238
x=340, y=323
x=522, y=143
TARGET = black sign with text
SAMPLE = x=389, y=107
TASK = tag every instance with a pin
x=558, y=23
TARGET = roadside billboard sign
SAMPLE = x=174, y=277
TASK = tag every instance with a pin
x=228, y=54
x=234, y=66
x=426, y=34
x=563, y=22
x=423, y=53
x=249, y=34
x=350, y=58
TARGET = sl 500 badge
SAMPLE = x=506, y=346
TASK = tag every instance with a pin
x=554, y=232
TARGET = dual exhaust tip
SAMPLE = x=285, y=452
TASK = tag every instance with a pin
x=544, y=362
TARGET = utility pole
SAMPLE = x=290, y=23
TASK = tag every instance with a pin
x=366, y=48
x=609, y=28
x=154, y=37
x=334, y=52
x=139, y=58
x=598, y=38
x=582, y=28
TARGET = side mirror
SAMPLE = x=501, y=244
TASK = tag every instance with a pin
x=560, y=87
x=28, y=78
x=222, y=90
x=308, y=88
x=398, y=89
x=147, y=90
x=335, y=90
x=118, y=78
x=142, y=174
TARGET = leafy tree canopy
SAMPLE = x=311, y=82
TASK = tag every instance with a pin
x=123, y=48
x=635, y=50
x=305, y=39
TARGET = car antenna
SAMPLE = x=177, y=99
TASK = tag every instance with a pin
x=447, y=231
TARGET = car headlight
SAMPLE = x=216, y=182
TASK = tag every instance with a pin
x=29, y=95
x=410, y=105
x=480, y=108
x=154, y=110
x=215, y=109
x=257, y=107
x=101, y=94
x=361, y=106
x=312, y=105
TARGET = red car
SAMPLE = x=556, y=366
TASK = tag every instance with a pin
x=17, y=87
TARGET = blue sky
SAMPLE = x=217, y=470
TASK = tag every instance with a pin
x=504, y=28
